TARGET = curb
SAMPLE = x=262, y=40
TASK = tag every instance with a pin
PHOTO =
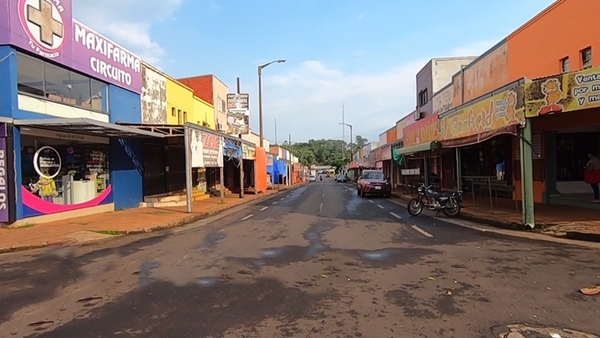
x=170, y=225
x=579, y=236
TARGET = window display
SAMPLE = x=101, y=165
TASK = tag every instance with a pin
x=64, y=172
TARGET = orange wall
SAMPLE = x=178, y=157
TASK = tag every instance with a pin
x=202, y=87
x=392, y=135
x=261, y=169
x=490, y=72
x=563, y=29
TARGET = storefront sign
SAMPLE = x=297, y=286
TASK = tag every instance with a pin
x=498, y=111
x=563, y=93
x=47, y=29
x=249, y=152
x=196, y=148
x=443, y=100
x=238, y=114
x=4, y=180
x=232, y=149
x=377, y=154
x=269, y=159
x=423, y=131
x=212, y=150
x=411, y=172
x=386, y=153
x=47, y=162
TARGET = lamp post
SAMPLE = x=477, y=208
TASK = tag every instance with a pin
x=260, y=115
x=351, y=150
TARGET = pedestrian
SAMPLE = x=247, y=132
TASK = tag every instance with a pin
x=592, y=175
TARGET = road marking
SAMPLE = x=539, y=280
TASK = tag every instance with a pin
x=320, y=207
x=275, y=202
x=421, y=231
x=396, y=215
x=282, y=198
x=380, y=206
x=371, y=201
x=323, y=195
x=263, y=208
x=245, y=218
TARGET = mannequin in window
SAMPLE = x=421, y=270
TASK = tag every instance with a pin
x=45, y=187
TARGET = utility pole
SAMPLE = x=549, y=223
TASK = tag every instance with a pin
x=275, y=131
x=242, y=185
x=343, y=134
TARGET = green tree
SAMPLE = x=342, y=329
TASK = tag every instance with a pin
x=324, y=152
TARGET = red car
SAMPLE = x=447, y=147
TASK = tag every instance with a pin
x=373, y=182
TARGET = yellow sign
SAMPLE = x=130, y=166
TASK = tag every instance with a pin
x=563, y=93
x=248, y=152
x=499, y=110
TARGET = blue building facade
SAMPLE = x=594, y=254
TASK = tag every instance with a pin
x=62, y=153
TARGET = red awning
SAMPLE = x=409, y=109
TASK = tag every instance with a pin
x=474, y=139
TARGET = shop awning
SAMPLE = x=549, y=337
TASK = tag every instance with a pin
x=417, y=148
x=86, y=126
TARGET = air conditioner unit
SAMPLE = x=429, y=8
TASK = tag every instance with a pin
x=418, y=115
x=220, y=127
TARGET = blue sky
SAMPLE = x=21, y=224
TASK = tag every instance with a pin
x=364, y=53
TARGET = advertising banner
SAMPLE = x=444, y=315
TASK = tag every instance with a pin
x=422, y=131
x=47, y=28
x=249, y=152
x=386, y=153
x=232, y=149
x=5, y=168
x=497, y=111
x=269, y=159
x=212, y=150
x=563, y=93
x=196, y=148
x=238, y=114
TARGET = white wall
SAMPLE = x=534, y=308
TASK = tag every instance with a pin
x=45, y=107
x=444, y=68
x=382, y=139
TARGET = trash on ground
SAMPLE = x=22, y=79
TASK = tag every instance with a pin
x=324, y=276
x=591, y=291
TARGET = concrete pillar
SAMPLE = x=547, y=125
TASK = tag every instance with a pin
x=527, y=176
x=458, y=169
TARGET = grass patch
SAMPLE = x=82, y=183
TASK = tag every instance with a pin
x=109, y=232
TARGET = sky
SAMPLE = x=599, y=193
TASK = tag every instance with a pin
x=362, y=55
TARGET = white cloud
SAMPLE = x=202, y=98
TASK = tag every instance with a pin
x=128, y=22
x=473, y=49
x=307, y=99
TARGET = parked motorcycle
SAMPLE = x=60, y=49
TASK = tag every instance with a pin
x=447, y=202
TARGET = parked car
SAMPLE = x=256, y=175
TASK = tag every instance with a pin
x=373, y=182
x=341, y=178
x=312, y=178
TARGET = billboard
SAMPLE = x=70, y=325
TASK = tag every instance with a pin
x=47, y=29
x=238, y=114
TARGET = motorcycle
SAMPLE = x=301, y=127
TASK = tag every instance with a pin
x=449, y=203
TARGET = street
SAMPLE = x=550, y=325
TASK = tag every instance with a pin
x=316, y=261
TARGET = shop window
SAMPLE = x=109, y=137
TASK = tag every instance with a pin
x=223, y=106
x=565, y=65
x=64, y=172
x=572, y=154
x=99, y=99
x=30, y=75
x=586, y=58
x=39, y=78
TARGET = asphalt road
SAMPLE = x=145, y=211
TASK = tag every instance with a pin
x=317, y=261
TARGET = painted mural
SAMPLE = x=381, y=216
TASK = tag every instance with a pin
x=153, y=96
x=563, y=93
x=502, y=109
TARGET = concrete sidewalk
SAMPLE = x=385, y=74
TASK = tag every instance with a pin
x=117, y=223
x=553, y=220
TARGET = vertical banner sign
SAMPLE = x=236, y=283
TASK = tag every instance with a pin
x=7, y=184
x=238, y=114
x=196, y=148
x=211, y=150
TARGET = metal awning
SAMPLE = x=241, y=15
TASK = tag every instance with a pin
x=417, y=148
x=87, y=127
x=165, y=129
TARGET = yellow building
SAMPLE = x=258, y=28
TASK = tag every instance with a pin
x=203, y=113
x=183, y=106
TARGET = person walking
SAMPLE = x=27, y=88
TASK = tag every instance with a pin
x=592, y=175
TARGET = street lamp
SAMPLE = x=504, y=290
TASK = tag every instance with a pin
x=260, y=115
x=351, y=149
